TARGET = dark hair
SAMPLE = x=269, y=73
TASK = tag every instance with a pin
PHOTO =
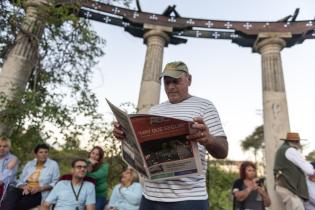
x=101, y=154
x=41, y=146
x=243, y=167
x=77, y=160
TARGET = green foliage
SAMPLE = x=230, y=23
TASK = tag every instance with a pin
x=58, y=105
x=58, y=94
x=254, y=141
x=310, y=156
x=8, y=27
x=219, y=184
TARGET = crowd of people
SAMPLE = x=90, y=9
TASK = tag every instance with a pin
x=40, y=184
x=294, y=180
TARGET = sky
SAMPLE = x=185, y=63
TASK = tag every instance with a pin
x=223, y=72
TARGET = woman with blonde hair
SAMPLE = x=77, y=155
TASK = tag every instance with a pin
x=126, y=195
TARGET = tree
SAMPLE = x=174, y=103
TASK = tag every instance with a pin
x=310, y=156
x=254, y=141
x=58, y=97
x=219, y=184
x=58, y=105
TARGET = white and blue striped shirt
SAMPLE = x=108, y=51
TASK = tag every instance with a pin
x=187, y=188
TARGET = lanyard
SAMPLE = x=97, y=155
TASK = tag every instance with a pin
x=76, y=195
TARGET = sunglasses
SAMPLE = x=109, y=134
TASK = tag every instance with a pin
x=81, y=166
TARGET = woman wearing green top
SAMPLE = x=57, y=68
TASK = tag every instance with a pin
x=98, y=170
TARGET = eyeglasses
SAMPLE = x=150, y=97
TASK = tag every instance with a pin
x=81, y=166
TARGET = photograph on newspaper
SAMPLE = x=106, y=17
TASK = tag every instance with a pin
x=167, y=152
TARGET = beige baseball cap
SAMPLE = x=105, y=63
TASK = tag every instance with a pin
x=174, y=69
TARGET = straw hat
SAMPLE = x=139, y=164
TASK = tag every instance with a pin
x=292, y=137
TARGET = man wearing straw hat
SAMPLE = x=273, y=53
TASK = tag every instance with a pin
x=290, y=169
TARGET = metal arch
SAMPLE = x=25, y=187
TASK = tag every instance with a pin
x=243, y=33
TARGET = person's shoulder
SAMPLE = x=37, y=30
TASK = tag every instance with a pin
x=117, y=186
x=160, y=104
x=62, y=183
x=51, y=161
x=137, y=185
x=199, y=99
x=238, y=183
x=201, y=102
x=89, y=184
x=105, y=165
x=291, y=150
x=11, y=156
x=14, y=158
x=30, y=162
x=52, y=164
x=238, y=180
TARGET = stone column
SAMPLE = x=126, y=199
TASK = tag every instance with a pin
x=156, y=38
x=275, y=109
x=23, y=57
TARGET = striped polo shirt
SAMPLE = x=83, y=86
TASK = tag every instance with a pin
x=186, y=188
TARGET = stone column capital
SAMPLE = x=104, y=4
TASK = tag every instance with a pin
x=156, y=33
x=269, y=44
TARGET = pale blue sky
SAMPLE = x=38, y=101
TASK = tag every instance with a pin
x=226, y=74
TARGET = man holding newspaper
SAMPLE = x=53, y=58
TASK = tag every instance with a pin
x=185, y=193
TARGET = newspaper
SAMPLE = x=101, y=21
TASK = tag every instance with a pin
x=156, y=146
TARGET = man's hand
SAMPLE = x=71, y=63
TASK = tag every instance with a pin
x=118, y=131
x=252, y=185
x=312, y=178
x=44, y=206
x=26, y=190
x=92, y=161
x=217, y=146
x=264, y=194
x=35, y=190
x=201, y=133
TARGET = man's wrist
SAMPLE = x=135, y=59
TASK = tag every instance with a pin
x=209, y=142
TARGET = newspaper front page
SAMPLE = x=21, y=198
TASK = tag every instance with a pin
x=156, y=146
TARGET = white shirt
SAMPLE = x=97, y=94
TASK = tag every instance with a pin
x=297, y=159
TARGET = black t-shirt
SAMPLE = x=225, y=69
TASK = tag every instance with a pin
x=252, y=202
